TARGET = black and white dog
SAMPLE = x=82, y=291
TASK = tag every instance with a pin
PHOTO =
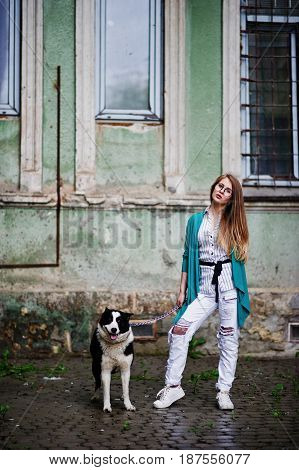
x=112, y=347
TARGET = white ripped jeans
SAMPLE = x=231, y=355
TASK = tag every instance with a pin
x=228, y=337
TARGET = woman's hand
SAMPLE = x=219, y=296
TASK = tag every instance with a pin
x=181, y=299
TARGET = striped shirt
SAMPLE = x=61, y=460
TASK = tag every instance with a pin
x=210, y=251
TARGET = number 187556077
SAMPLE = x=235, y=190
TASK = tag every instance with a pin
x=206, y=458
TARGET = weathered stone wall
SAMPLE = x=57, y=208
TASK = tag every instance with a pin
x=34, y=322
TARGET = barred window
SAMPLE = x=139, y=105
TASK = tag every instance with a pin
x=9, y=57
x=269, y=91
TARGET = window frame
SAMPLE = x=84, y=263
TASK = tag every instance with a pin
x=12, y=107
x=156, y=75
x=265, y=179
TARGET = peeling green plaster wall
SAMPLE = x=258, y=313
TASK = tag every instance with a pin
x=131, y=250
x=9, y=154
x=27, y=236
x=59, y=49
x=129, y=156
x=203, y=93
x=274, y=253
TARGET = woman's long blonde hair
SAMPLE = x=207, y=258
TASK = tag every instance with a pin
x=233, y=231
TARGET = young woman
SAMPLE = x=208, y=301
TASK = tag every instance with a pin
x=213, y=276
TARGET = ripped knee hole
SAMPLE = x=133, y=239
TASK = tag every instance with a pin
x=226, y=330
x=179, y=330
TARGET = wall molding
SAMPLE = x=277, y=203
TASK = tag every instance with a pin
x=231, y=115
x=32, y=96
x=174, y=96
x=85, y=97
x=163, y=201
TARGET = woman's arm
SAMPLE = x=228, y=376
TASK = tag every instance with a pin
x=183, y=289
x=184, y=276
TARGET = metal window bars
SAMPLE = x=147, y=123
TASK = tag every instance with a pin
x=269, y=98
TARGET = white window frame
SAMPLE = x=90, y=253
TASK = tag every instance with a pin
x=264, y=179
x=12, y=107
x=155, y=111
x=174, y=122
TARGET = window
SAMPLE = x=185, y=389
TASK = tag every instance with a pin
x=10, y=57
x=269, y=91
x=129, y=72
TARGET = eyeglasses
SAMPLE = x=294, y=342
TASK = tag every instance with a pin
x=227, y=191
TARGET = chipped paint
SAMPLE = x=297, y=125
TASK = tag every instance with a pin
x=130, y=249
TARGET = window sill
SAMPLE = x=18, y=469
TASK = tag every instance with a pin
x=115, y=122
x=9, y=117
x=270, y=194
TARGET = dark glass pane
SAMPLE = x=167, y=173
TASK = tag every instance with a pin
x=269, y=7
x=253, y=64
x=264, y=69
x=278, y=167
x=251, y=40
x=271, y=142
x=261, y=142
x=282, y=94
x=271, y=57
x=264, y=93
x=261, y=165
x=282, y=119
x=272, y=7
x=281, y=69
x=272, y=44
x=127, y=54
x=270, y=93
x=283, y=166
x=282, y=142
x=4, y=51
x=294, y=11
x=253, y=96
x=261, y=118
x=282, y=4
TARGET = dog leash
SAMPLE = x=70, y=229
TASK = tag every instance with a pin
x=153, y=320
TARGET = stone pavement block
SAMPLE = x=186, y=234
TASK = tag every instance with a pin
x=59, y=415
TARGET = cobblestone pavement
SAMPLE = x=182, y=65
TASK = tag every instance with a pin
x=58, y=414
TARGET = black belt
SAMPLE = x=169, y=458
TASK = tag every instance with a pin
x=217, y=272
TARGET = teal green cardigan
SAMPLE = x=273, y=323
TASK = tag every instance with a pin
x=191, y=266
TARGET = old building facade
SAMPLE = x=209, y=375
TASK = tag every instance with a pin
x=116, y=117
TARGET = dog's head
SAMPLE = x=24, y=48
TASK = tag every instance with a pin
x=114, y=325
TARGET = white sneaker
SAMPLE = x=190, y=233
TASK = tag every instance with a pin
x=224, y=401
x=168, y=395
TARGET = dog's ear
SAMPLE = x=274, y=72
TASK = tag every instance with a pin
x=107, y=310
